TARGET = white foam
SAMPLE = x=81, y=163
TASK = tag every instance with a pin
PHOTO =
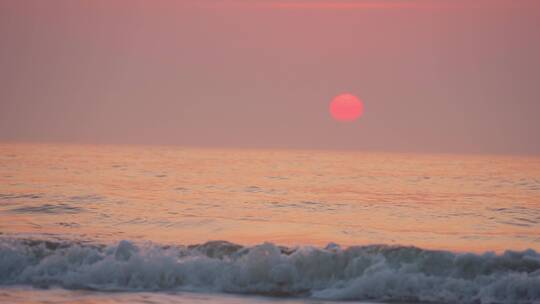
x=382, y=273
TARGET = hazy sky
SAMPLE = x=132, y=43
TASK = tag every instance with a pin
x=435, y=76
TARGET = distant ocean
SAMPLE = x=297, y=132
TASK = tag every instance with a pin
x=137, y=224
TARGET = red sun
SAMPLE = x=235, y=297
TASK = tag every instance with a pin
x=346, y=107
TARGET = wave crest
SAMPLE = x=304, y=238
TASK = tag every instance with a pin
x=375, y=272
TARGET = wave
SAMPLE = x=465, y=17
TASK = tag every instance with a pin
x=374, y=272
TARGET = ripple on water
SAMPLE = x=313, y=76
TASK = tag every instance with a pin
x=48, y=209
x=516, y=216
x=10, y=196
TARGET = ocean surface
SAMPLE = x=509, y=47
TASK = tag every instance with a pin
x=148, y=224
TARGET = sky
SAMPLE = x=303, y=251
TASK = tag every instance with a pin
x=434, y=75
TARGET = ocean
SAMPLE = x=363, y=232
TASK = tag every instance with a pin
x=149, y=224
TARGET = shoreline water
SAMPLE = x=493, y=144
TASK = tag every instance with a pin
x=26, y=295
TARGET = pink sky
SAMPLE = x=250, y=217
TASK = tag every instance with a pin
x=435, y=76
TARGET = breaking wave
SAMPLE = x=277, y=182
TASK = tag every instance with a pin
x=375, y=272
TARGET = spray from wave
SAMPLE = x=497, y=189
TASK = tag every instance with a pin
x=376, y=272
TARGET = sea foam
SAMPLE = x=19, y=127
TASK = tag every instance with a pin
x=375, y=272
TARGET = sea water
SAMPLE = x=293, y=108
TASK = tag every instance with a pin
x=93, y=224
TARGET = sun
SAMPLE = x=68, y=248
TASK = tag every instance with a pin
x=346, y=107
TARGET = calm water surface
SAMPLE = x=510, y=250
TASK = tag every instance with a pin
x=172, y=197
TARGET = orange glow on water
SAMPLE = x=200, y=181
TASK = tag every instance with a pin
x=188, y=196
